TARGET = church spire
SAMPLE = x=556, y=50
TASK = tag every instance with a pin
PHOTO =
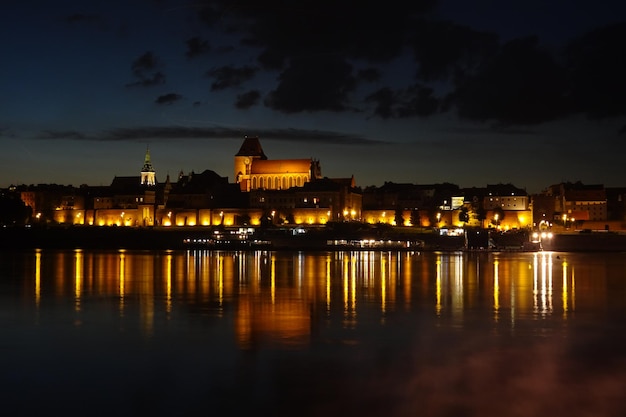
x=148, y=176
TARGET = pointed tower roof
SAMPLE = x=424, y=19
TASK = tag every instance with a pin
x=147, y=165
x=251, y=147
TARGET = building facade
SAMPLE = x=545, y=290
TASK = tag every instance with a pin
x=253, y=170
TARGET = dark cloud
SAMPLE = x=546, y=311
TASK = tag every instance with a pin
x=447, y=51
x=352, y=29
x=324, y=53
x=416, y=100
x=385, y=99
x=597, y=68
x=247, y=100
x=170, y=98
x=146, y=71
x=145, y=63
x=310, y=84
x=158, y=78
x=197, y=46
x=522, y=84
x=369, y=74
x=226, y=77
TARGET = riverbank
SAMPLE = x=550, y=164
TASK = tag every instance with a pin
x=91, y=237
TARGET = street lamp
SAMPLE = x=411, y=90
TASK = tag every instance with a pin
x=438, y=218
x=540, y=237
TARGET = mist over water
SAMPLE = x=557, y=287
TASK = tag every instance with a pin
x=312, y=333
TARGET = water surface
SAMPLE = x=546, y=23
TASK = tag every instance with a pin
x=312, y=333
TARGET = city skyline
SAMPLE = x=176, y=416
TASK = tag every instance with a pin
x=407, y=94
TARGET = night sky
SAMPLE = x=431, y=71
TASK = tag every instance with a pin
x=469, y=92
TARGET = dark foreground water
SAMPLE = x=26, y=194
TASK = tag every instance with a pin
x=312, y=334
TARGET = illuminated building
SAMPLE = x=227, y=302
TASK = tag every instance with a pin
x=316, y=202
x=253, y=170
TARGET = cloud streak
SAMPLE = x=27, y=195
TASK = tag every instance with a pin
x=173, y=133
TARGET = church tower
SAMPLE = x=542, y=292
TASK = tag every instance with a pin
x=148, y=176
x=250, y=151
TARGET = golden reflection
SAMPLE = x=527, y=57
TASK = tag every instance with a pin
x=220, y=279
x=353, y=287
x=457, y=267
x=496, y=289
x=346, y=272
x=407, y=275
x=122, y=281
x=573, y=291
x=37, y=276
x=542, y=284
x=438, y=284
x=535, y=278
x=564, y=292
x=78, y=277
x=168, y=283
x=383, y=284
x=276, y=294
x=549, y=284
x=273, y=279
x=328, y=279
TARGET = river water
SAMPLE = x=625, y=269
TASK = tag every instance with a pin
x=179, y=333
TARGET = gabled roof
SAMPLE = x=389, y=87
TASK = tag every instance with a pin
x=251, y=146
x=281, y=166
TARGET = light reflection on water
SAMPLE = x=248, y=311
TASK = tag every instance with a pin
x=397, y=333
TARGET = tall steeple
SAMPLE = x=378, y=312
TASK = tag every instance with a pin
x=148, y=176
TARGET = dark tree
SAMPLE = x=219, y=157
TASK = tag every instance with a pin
x=13, y=211
x=416, y=221
x=481, y=215
x=464, y=215
x=398, y=217
x=266, y=220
